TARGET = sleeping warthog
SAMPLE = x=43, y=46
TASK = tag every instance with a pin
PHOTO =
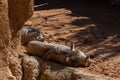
x=59, y=53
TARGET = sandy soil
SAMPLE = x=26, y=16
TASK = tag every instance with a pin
x=93, y=26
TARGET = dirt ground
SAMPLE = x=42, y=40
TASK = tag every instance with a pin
x=94, y=27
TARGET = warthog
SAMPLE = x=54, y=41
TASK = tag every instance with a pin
x=28, y=34
x=59, y=53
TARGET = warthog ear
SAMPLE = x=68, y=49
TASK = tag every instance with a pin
x=73, y=47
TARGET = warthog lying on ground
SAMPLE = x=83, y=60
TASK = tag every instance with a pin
x=59, y=53
x=28, y=34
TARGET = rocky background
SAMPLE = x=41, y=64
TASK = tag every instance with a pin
x=13, y=14
x=16, y=65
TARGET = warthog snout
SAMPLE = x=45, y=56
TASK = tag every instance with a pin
x=78, y=58
x=78, y=61
x=87, y=61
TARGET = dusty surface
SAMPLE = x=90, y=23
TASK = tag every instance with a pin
x=10, y=22
x=94, y=27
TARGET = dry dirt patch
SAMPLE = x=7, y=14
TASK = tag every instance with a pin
x=94, y=28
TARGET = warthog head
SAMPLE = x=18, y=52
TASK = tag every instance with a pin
x=77, y=58
x=28, y=34
x=36, y=33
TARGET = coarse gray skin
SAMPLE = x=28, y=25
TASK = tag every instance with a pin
x=28, y=34
x=59, y=53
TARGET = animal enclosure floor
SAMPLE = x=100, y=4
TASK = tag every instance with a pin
x=93, y=27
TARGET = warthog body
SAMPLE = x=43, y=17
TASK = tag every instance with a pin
x=59, y=53
x=28, y=34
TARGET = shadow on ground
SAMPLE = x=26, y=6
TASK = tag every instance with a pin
x=100, y=20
